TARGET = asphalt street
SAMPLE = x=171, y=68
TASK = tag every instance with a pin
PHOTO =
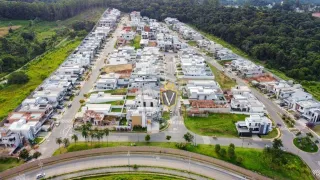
x=65, y=129
x=143, y=160
x=176, y=129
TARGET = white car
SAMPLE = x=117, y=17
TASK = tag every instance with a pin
x=40, y=176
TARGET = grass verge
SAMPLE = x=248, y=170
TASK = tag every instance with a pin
x=215, y=124
x=7, y=163
x=132, y=176
x=271, y=135
x=224, y=81
x=38, y=70
x=252, y=159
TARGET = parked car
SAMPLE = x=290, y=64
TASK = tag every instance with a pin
x=41, y=175
x=57, y=123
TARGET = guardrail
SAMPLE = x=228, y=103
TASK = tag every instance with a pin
x=134, y=149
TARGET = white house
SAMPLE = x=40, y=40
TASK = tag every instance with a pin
x=107, y=81
x=9, y=139
x=255, y=124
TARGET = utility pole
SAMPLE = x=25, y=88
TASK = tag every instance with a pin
x=128, y=160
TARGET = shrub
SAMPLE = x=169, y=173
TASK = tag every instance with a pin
x=222, y=152
x=147, y=138
x=135, y=166
x=182, y=146
x=217, y=148
x=18, y=78
x=36, y=155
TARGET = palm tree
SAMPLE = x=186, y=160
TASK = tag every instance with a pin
x=59, y=141
x=66, y=142
x=99, y=135
x=92, y=135
x=84, y=134
x=89, y=125
x=106, y=133
x=75, y=138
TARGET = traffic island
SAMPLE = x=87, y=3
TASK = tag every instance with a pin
x=305, y=144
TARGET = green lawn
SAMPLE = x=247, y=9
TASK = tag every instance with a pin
x=121, y=91
x=133, y=176
x=136, y=42
x=11, y=96
x=192, y=43
x=37, y=140
x=252, y=159
x=217, y=124
x=166, y=115
x=305, y=144
x=116, y=109
x=7, y=163
x=270, y=135
x=130, y=97
x=316, y=129
x=224, y=81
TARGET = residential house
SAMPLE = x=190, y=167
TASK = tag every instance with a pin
x=255, y=124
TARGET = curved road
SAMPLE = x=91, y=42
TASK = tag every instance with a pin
x=207, y=170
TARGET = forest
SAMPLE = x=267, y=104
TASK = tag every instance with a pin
x=279, y=38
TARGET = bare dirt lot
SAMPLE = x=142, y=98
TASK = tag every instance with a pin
x=5, y=30
x=117, y=68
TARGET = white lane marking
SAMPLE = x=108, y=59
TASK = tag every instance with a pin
x=206, y=140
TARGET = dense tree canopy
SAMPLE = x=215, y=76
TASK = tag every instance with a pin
x=282, y=39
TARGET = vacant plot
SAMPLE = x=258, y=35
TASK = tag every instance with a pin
x=192, y=43
x=5, y=30
x=117, y=68
x=215, y=124
x=224, y=81
x=252, y=159
x=136, y=42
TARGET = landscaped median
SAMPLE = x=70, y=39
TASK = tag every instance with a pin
x=252, y=159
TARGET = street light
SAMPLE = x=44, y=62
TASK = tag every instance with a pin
x=128, y=160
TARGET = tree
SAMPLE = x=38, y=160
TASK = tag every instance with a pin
x=18, y=78
x=24, y=154
x=84, y=134
x=66, y=142
x=147, y=138
x=222, y=152
x=59, y=141
x=74, y=138
x=217, y=148
x=106, y=133
x=277, y=144
x=168, y=138
x=188, y=137
x=231, y=151
x=36, y=155
x=310, y=125
x=92, y=135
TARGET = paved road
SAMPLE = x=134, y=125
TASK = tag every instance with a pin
x=65, y=129
x=146, y=160
x=312, y=159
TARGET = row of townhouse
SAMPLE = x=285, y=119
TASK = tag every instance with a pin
x=145, y=109
x=185, y=31
x=193, y=65
x=29, y=118
x=243, y=101
x=246, y=68
x=224, y=54
x=123, y=55
x=293, y=97
x=207, y=96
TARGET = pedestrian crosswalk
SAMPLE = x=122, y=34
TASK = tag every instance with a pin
x=316, y=172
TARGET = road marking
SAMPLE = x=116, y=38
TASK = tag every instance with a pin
x=318, y=163
x=316, y=172
x=206, y=140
